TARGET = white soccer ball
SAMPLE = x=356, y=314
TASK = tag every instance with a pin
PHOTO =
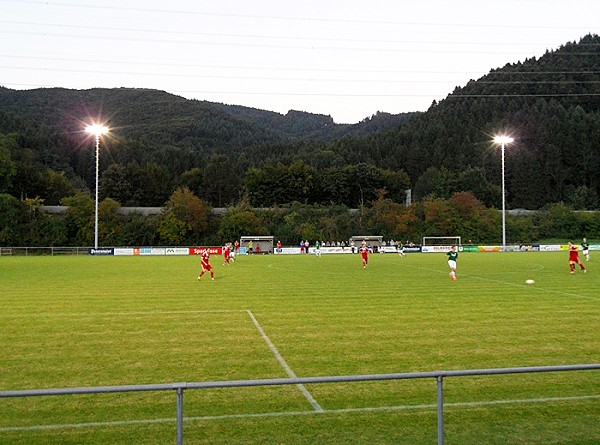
x=529, y=281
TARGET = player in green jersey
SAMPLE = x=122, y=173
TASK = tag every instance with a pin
x=452, y=257
x=585, y=249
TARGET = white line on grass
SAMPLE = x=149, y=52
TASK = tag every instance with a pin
x=552, y=291
x=431, y=406
x=113, y=314
x=283, y=363
x=508, y=283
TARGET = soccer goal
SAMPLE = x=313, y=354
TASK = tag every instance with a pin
x=442, y=241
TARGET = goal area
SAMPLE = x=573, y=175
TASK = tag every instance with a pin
x=441, y=241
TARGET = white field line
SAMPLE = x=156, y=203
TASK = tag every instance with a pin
x=273, y=348
x=551, y=291
x=283, y=363
x=507, y=283
x=431, y=406
x=118, y=314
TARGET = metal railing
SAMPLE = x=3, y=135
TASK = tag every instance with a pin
x=180, y=387
x=37, y=251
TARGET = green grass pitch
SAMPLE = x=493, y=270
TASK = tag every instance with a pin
x=92, y=321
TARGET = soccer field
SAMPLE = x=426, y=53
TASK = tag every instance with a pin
x=78, y=321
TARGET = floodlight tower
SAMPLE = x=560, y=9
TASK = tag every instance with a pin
x=97, y=130
x=503, y=141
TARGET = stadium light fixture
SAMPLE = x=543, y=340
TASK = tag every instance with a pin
x=503, y=141
x=97, y=130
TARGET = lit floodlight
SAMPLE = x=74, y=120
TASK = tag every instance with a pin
x=502, y=141
x=97, y=130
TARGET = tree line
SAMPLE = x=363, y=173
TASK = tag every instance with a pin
x=186, y=220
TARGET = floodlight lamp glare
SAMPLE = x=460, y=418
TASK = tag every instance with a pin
x=503, y=139
x=96, y=129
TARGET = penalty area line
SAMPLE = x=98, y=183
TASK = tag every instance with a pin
x=431, y=406
x=120, y=314
x=283, y=363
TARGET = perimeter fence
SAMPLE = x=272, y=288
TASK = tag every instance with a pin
x=36, y=251
x=179, y=388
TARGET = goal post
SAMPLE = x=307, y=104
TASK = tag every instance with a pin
x=442, y=241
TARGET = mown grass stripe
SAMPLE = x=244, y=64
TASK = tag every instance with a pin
x=429, y=406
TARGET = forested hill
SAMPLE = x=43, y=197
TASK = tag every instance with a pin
x=550, y=105
x=157, y=117
x=226, y=153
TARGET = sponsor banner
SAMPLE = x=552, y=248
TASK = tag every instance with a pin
x=174, y=251
x=489, y=249
x=212, y=250
x=323, y=250
x=142, y=251
x=434, y=249
x=287, y=251
x=529, y=248
x=126, y=251
x=177, y=251
x=101, y=251
x=336, y=249
x=551, y=248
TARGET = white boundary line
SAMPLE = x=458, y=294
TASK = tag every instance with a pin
x=317, y=409
x=297, y=413
x=507, y=283
x=111, y=314
x=551, y=291
x=270, y=344
x=283, y=363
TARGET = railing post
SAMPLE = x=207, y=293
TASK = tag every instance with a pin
x=440, y=409
x=179, y=415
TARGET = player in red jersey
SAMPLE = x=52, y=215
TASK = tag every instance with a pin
x=226, y=254
x=364, y=253
x=574, y=258
x=205, y=265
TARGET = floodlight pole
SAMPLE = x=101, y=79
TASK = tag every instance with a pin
x=97, y=131
x=98, y=168
x=503, y=140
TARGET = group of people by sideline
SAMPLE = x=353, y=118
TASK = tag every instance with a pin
x=229, y=254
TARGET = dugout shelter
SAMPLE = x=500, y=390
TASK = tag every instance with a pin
x=374, y=242
x=265, y=243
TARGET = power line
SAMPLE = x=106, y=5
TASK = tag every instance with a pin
x=288, y=18
x=177, y=64
x=87, y=28
x=267, y=45
x=298, y=79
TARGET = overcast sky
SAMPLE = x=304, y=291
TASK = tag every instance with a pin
x=344, y=58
